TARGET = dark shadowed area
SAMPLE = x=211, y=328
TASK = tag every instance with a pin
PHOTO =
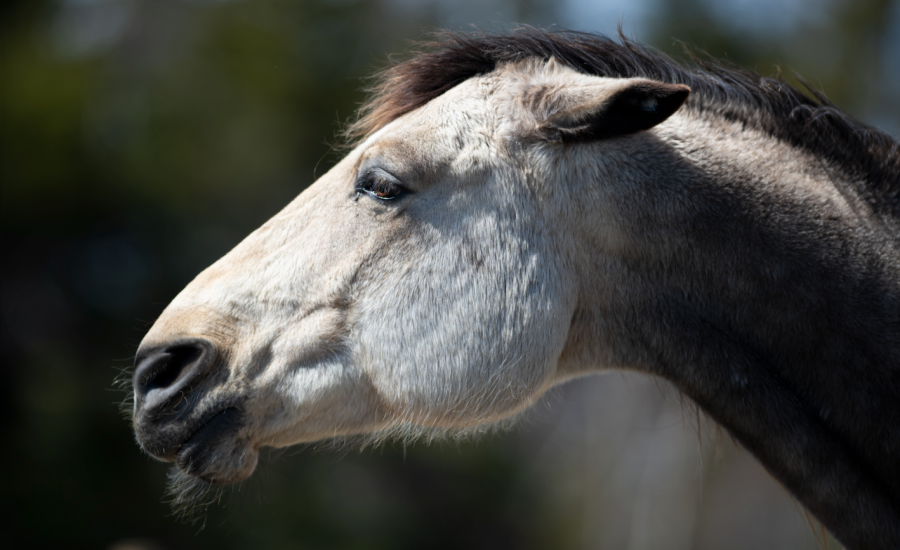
x=140, y=140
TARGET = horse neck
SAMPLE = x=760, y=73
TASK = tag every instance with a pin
x=769, y=294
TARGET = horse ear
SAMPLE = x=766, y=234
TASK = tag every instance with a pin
x=608, y=108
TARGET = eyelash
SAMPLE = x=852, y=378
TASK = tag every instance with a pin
x=379, y=185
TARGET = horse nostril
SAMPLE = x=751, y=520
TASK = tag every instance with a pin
x=170, y=366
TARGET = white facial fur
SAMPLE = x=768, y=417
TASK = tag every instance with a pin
x=446, y=308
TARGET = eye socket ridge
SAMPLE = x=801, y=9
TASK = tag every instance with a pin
x=379, y=184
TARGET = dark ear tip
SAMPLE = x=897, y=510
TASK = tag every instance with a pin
x=678, y=91
x=674, y=95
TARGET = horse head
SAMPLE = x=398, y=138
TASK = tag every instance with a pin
x=430, y=280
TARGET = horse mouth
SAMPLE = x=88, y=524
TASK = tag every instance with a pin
x=214, y=451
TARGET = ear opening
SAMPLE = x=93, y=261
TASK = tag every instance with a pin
x=638, y=105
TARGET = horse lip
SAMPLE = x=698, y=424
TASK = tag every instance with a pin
x=164, y=433
x=190, y=457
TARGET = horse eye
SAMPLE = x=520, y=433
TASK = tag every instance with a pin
x=379, y=184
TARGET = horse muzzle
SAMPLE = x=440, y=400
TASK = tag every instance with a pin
x=175, y=416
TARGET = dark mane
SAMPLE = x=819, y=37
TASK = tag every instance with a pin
x=771, y=105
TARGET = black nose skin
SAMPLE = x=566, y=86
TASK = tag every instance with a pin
x=166, y=382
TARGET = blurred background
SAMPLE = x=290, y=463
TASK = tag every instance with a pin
x=140, y=140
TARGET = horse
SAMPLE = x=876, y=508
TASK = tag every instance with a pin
x=525, y=208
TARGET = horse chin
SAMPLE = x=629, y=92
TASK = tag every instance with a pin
x=216, y=453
